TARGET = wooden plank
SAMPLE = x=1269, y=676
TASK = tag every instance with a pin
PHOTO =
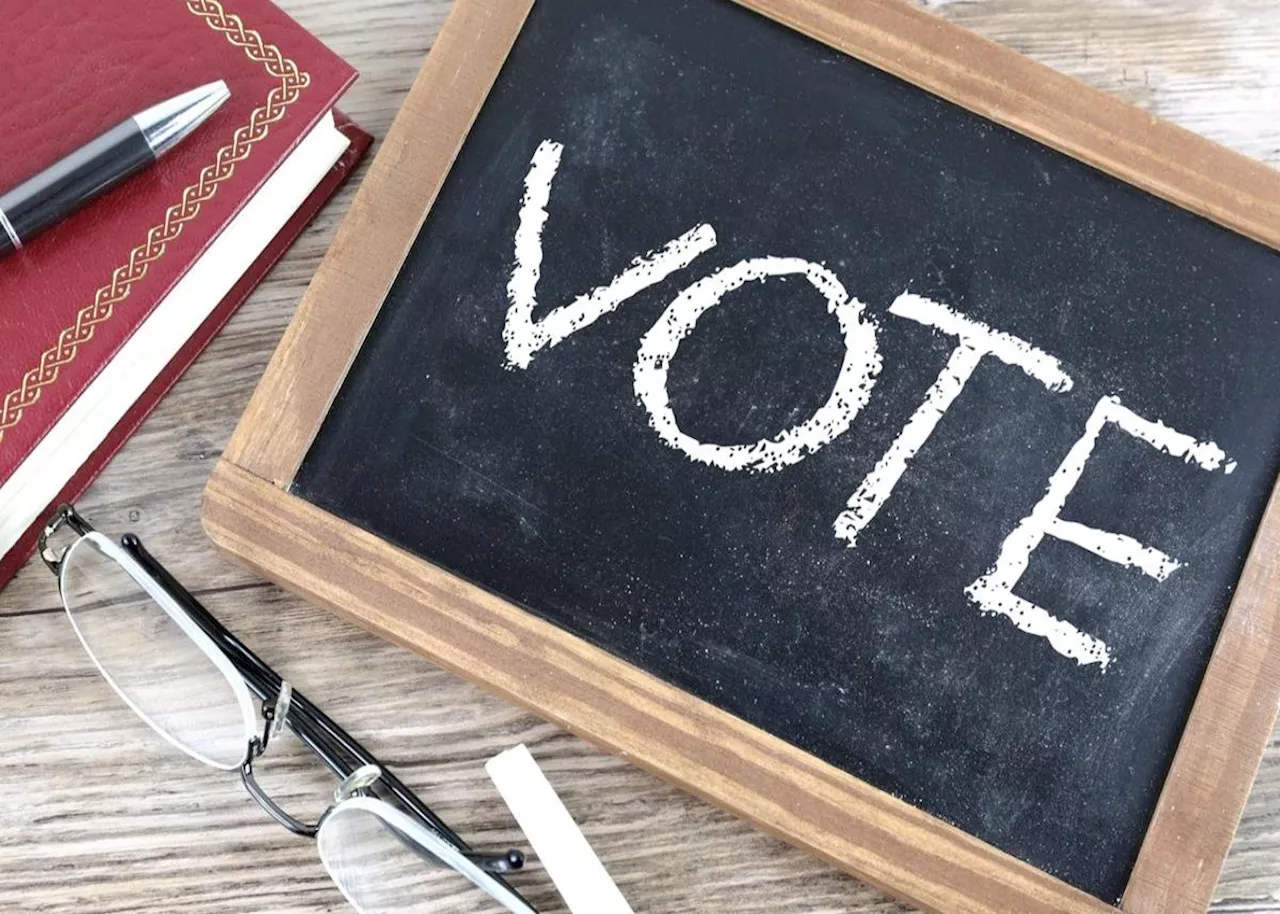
x=320, y=344
x=708, y=752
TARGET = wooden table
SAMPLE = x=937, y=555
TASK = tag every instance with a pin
x=97, y=815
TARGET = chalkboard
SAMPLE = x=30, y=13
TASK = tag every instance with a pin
x=903, y=437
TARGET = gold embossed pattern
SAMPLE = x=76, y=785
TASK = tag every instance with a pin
x=279, y=99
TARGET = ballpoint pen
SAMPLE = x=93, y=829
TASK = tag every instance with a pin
x=103, y=164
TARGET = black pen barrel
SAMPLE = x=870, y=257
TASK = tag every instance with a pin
x=88, y=173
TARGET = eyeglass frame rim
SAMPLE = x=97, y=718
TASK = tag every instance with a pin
x=328, y=741
x=116, y=553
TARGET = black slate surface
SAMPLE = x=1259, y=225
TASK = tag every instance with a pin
x=548, y=485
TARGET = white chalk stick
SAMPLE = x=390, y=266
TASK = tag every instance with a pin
x=571, y=863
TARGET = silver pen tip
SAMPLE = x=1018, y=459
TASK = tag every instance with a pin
x=167, y=124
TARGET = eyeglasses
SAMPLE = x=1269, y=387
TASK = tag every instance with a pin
x=190, y=680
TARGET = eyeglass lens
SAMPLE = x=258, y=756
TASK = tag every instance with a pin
x=375, y=869
x=150, y=661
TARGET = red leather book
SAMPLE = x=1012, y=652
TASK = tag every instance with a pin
x=100, y=316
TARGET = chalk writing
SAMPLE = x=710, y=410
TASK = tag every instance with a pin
x=833, y=418
x=977, y=341
x=993, y=592
x=523, y=336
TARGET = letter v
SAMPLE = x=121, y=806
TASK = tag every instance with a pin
x=525, y=337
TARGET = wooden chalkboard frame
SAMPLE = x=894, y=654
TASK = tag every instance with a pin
x=249, y=511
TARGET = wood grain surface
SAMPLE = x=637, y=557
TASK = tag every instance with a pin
x=99, y=816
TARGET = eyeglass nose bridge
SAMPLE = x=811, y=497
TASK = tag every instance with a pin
x=274, y=716
x=270, y=806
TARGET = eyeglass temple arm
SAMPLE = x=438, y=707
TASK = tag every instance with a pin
x=324, y=737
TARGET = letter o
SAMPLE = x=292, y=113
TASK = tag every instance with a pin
x=852, y=388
